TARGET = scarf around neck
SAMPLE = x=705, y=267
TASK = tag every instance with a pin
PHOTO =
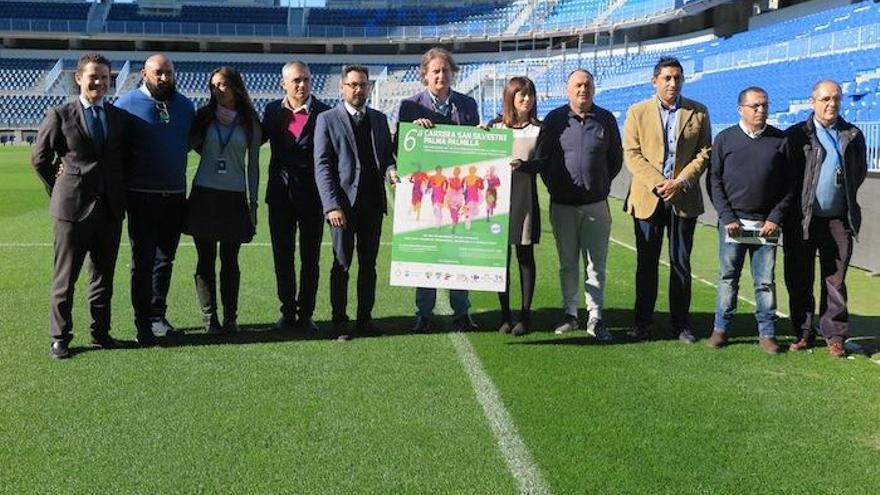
x=225, y=115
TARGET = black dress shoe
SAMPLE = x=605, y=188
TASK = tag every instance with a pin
x=285, y=324
x=230, y=325
x=146, y=339
x=308, y=325
x=464, y=324
x=59, y=350
x=212, y=325
x=105, y=341
x=639, y=333
x=341, y=331
x=423, y=325
x=367, y=328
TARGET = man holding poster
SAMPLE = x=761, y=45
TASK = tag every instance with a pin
x=446, y=254
x=439, y=104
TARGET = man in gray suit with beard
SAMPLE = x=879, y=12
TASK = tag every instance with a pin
x=80, y=154
x=353, y=158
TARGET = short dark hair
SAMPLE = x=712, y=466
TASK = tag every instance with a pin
x=580, y=69
x=92, y=58
x=355, y=68
x=667, y=62
x=751, y=89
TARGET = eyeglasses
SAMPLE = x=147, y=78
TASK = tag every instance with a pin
x=755, y=106
x=164, y=115
x=356, y=85
x=828, y=99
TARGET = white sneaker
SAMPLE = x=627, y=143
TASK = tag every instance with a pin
x=161, y=327
x=569, y=325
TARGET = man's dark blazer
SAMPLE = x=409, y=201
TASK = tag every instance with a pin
x=291, y=166
x=87, y=200
x=463, y=109
x=337, y=166
x=87, y=172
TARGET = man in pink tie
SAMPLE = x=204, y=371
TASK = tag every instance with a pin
x=294, y=204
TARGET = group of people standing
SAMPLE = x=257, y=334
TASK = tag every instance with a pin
x=332, y=165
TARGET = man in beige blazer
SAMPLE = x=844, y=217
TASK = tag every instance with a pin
x=666, y=146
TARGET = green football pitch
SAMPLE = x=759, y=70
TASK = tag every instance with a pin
x=481, y=412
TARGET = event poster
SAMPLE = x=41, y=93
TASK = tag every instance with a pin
x=451, y=208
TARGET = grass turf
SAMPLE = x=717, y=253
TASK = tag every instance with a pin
x=269, y=413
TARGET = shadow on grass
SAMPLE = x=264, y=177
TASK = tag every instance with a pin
x=865, y=331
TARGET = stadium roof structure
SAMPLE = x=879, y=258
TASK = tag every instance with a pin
x=472, y=27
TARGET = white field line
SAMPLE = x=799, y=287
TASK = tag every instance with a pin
x=695, y=277
x=527, y=474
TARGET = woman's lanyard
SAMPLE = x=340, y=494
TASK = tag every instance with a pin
x=221, y=160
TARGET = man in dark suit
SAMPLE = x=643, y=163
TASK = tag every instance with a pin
x=353, y=158
x=88, y=139
x=292, y=196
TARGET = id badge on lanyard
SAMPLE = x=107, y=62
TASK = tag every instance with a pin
x=221, y=160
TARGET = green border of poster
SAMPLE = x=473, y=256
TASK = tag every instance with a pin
x=431, y=247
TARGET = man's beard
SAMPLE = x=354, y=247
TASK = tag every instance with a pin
x=161, y=92
x=358, y=103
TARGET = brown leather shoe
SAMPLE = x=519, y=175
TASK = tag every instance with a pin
x=803, y=343
x=768, y=345
x=835, y=348
x=717, y=340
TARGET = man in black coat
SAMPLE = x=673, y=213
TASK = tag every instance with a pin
x=829, y=159
x=289, y=126
x=79, y=154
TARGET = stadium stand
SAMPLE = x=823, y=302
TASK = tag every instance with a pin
x=635, y=9
x=198, y=13
x=22, y=74
x=785, y=56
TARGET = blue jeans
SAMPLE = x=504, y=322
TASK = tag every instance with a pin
x=426, y=299
x=731, y=258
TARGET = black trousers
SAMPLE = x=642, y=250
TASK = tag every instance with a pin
x=649, y=242
x=833, y=239
x=98, y=236
x=285, y=218
x=155, y=221
x=362, y=234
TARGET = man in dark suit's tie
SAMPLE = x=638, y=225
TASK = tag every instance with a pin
x=88, y=138
x=97, y=129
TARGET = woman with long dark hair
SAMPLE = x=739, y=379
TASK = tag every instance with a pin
x=519, y=114
x=222, y=206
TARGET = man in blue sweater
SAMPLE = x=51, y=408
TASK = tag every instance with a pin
x=749, y=183
x=156, y=189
